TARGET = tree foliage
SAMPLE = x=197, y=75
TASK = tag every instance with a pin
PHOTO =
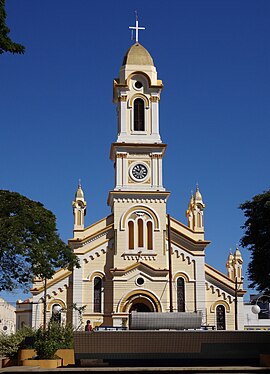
x=257, y=239
x=6, y=44
x=30, y=246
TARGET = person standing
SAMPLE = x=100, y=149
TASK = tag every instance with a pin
x=88, y=326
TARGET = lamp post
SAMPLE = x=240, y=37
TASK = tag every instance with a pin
x=255, y=308
x=236, y=289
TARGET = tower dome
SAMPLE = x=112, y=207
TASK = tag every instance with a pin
x=79, y=193
x=137, y=55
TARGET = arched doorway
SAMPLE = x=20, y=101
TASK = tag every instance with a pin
x=141, y=305
x=140, y=302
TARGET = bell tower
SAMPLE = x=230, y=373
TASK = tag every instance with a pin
x=79, y=209
x=138, y=151
x=194, y=212
x=137, y=155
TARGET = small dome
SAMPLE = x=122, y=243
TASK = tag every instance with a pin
x=237, y=254
x=79, y=193
x=137, y=55
x=230, y=258
x=198, y=196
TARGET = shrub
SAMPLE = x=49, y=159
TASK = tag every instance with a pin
x=10, y=344
x=45, y=349
x=62, y=335
x=55, y=337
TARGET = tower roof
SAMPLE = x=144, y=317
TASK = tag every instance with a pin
x=198, y=196
x=137, y=55
x=79, y=193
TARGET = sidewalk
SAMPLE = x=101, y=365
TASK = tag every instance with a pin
x=148, y=370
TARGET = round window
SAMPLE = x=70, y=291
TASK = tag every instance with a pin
x=140, y=281
x=138, y=84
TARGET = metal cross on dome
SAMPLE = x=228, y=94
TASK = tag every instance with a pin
x=137, y=28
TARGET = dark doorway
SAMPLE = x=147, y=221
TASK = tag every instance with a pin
x=139, y=307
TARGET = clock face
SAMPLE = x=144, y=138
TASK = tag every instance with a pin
x=139, y=171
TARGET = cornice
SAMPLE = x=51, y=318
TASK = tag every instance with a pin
x=126, y=147
x=52, y=282
x=84, y=241
x=142, y=266
x=138, y=196
x=222, y=278
x=189, y=252
x=185, y=227
x=202, y=243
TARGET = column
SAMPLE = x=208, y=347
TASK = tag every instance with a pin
x=200, y=286
x=123, y=114
x=155, y=116
x=118, y=171
x=77, y=294
x=154, y=169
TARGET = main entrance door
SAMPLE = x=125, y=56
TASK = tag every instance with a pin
x=140, y=301
x=140, y=307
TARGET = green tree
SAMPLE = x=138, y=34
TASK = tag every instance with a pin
x=257, y=239
x=30, y=246
x=6, y=44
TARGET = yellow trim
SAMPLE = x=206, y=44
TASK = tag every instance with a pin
x=138, y=73
x=195, y=253
x=75, y=240
x=116, y=147
x=181, y=275
x=136, y=96
x=96, y=274
x=134, y=266
x=126, y=302
x=117, y=84
x=222, y=278
x=141, y=208
x=53, y=302
x=51, y=282
x=200, y=242
x=91, y=249
x=220, y=302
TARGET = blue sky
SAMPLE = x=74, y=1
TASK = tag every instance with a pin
x=57, y=118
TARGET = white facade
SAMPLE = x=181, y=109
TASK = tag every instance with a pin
x=7, y=317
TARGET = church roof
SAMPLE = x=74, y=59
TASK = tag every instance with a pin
x=137, y=55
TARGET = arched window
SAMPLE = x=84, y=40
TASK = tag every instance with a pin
x=140, y=233
x=79, y=217
x=149, y=235
x=97, y=294
x=180, y=295
x=139, y=115
x=131, y=235
x=220, y=316
x=56, y=313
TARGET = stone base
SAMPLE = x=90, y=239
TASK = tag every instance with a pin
x=45, y=364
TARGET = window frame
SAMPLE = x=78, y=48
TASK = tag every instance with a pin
x=100, y=296
x=136, y=247
x=183, y=295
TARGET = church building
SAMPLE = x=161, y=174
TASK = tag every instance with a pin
x=139, y=258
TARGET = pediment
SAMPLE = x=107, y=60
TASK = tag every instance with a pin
x=140, y=266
